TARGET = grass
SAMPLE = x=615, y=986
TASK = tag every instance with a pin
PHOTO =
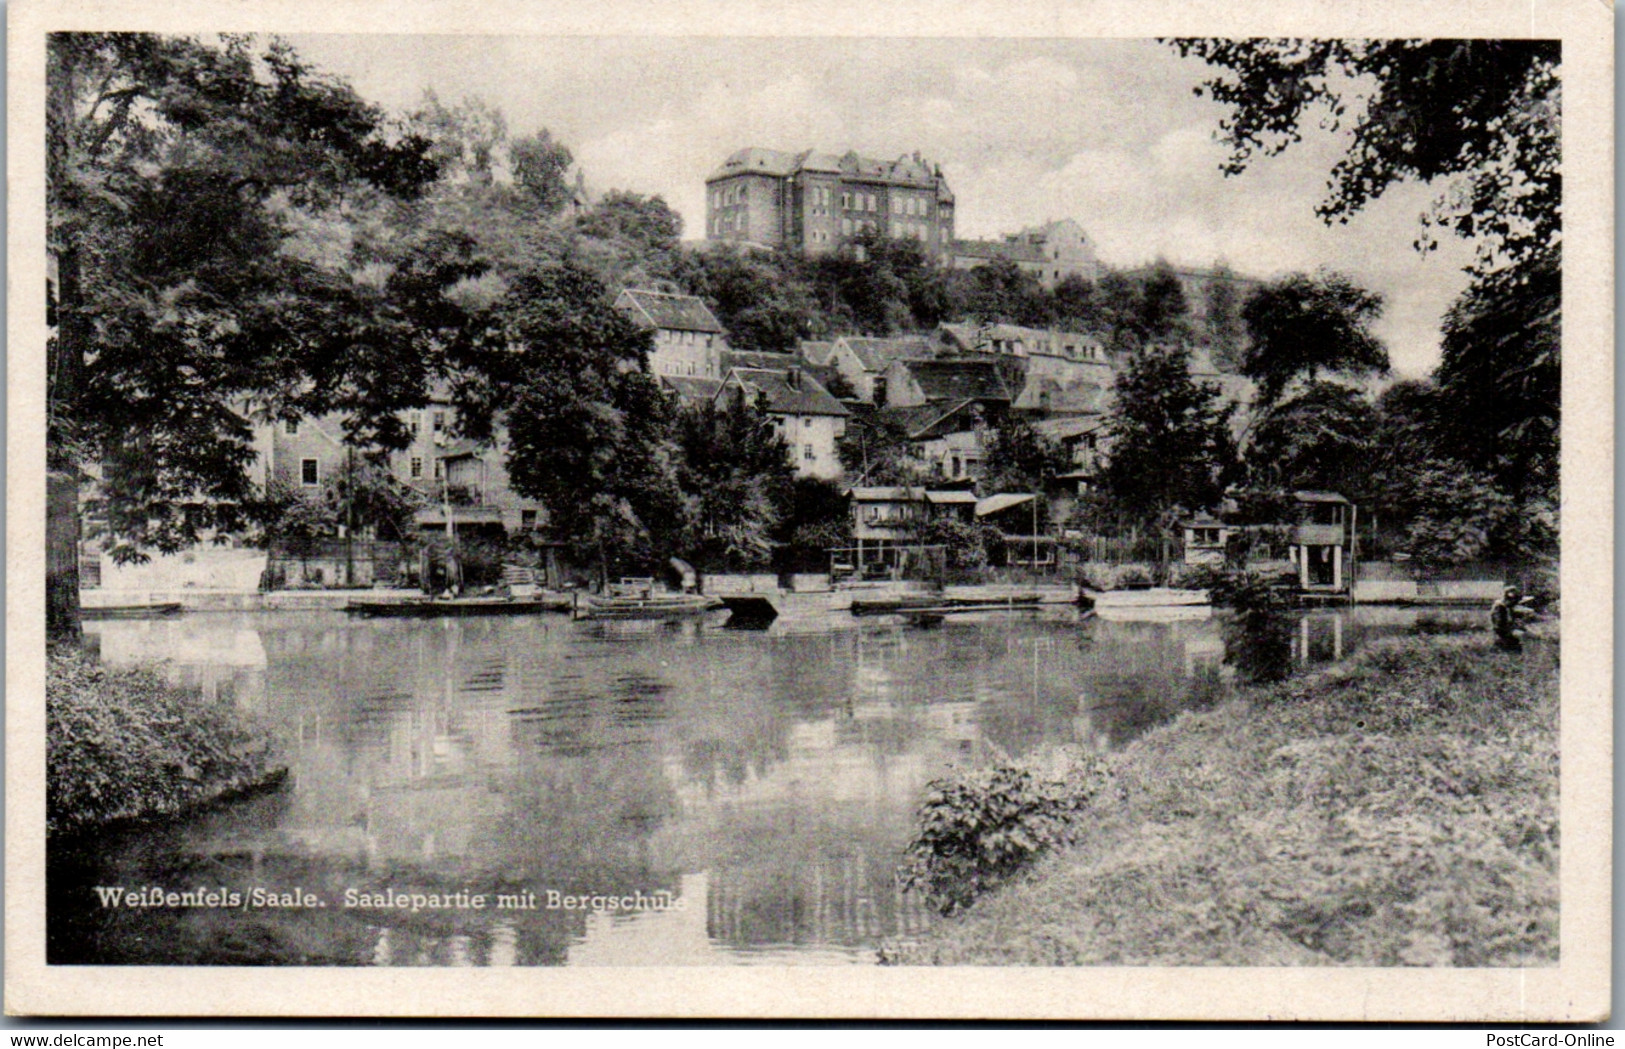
x=127, y=745
x=1398, y=809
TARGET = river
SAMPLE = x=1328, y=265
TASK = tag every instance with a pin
x=716, y=796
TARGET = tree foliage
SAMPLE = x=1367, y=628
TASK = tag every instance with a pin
x=1301, y=326
x=183, y=178
x=541, y=166
x=736, y=470
x=1482, y=114
x=1170, y=443
x=1323, y=438
x=1018, y=458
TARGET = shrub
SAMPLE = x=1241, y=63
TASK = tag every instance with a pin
x=125, y=744
x=980, y=829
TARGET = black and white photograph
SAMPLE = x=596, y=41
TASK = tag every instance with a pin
x=988, y=518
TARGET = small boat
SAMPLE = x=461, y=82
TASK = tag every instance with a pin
x=1153, y=613
x=1155, y=597
x=436, y=607
x=637, y=599
x=936, y=603
x=158, y=611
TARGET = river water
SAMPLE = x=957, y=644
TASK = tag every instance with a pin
x=741, y=797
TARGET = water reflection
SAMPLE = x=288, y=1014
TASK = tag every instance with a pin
x=766, y=781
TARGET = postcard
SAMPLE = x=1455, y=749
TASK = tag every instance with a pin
x=1030, y=510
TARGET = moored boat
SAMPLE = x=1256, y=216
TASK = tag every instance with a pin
x=436, y=607
x=158, y=611
x=650, y=606
x=1154, y=597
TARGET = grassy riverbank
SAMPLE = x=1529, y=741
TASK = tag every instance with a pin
x=1398, y=809
x=127, y=745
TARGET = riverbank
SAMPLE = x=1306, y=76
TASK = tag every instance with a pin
x=1400, y=808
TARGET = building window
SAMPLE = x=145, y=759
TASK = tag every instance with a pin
x=417, y=468
x=846, y=200
x=873, y=202
x=291, y=427
x=846, y=227
x=527, y=520
x=807, y=452
x=439, y=469
x=309, y=472
x=439, y=422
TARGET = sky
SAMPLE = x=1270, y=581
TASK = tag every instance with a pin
x=1107, y=132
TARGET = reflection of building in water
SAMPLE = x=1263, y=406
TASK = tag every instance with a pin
x=222, y=657
x=1319, y=638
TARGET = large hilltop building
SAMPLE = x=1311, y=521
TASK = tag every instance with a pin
x=816, y=202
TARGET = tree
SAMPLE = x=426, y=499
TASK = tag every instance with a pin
x=464, y=140
x=756, y=299
x=1170, y=444
x=1482, y=114
x=1301, y=326
x=1501, y=378
x=1020, y=459
x=649, y=223
x=1164, y=310
x=1324, y=438
x=875, y=450
x=736, y=471
x=177, y=175
x=1076, y=306
x=1481, y=117
x=1226, y=333
x=540, y=166
x=589, y=428
x=817, y=518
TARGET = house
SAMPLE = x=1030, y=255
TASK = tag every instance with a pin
x=1051, y=252
x=1081, y=437
x=1016, y=515
x=688, y=338
x=806, y=415
x=816, y=203
x=947, y=437
x=886, y=521
x=911, y=383
x=863, y=361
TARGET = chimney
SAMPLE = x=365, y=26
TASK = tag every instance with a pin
x=792, y=378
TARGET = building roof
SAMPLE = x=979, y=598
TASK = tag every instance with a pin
x=1047, y=394
x=1003, y=501
x=1014, y=250
x=1069, y=426
x=876, y=355
x=908, y=170
x=758, y=359
x=958, y=380
x=815, y=351
x=790, y=392
x=692, y=389
x=669, y=311
x=950, y=497
x=924, y=421
x=1318, y=497
x=894, y=493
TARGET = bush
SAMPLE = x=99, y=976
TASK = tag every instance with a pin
x=979, y=830
x=125, y=744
